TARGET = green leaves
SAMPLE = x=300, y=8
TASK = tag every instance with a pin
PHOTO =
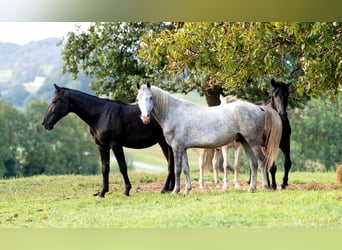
x=27, y=148
x=108, y=53
x=236, y=58
x=240, y=57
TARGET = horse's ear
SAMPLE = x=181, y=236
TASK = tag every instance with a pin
x=148, y=84
x=273, y=82
x=138, y=85
x=221, y=98
x=56, y=87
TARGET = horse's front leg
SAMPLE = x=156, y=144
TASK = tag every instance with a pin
x=225, y=166
x=287, y=167
x=120, y=157
x=200, y=164
x=178, y=156
x=236, y=166
x=186, y=170
x=104, y=153
x=216, y=164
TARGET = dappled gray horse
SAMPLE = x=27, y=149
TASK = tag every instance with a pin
x=222, y=153
x=186, y=125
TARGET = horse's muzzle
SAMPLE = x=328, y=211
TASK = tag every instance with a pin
x=47, y=126
x=145, y=119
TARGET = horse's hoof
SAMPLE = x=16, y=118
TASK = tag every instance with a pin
x=187, y=191
x=165, y=191
x=99, y=195
x=174, y=192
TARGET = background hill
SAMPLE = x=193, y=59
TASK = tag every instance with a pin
x=27, y=72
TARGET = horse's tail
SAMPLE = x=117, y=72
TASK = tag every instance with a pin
x=272, y=136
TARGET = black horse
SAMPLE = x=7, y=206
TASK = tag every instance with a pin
x=113, y=125
x=279, y=100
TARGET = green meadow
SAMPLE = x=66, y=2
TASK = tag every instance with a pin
x=313, y=200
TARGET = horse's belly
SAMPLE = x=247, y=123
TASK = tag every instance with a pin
x=140, y=143
x=211, y=140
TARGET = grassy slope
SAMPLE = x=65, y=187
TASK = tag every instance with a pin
x=67, y=201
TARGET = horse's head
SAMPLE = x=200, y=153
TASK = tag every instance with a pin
x=57, y=109
x=145, y=102
x=279, y=97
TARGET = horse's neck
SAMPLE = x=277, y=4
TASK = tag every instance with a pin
x=158, y=109
x=166, y=106
x=85, y=106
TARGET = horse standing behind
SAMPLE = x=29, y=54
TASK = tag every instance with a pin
x=279, y=94
x=279, y=100
x=113, y=125
x=186, y=125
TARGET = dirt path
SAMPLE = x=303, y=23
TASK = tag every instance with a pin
x=156, y=186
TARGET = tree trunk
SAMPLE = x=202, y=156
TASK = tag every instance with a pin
x=212, y=96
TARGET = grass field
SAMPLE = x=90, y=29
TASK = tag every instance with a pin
x=313, y=200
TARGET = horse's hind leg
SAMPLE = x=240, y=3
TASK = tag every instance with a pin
x=120, y=157
x=253, y=164
x=260, y=158
x=170, y=180
x=104, y=153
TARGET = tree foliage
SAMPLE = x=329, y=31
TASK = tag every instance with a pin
x=108, y=53
x=240, y=57
x=28, y=149
x=236, y=58
x=12, y=130
x=221, y=57
x=316, y=136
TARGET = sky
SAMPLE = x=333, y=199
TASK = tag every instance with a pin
x=25, y=32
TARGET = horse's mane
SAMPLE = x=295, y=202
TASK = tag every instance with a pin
x=90, y=96
x=163, y=99
x=228, y=99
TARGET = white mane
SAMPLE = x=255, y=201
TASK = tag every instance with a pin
x=163, y=100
